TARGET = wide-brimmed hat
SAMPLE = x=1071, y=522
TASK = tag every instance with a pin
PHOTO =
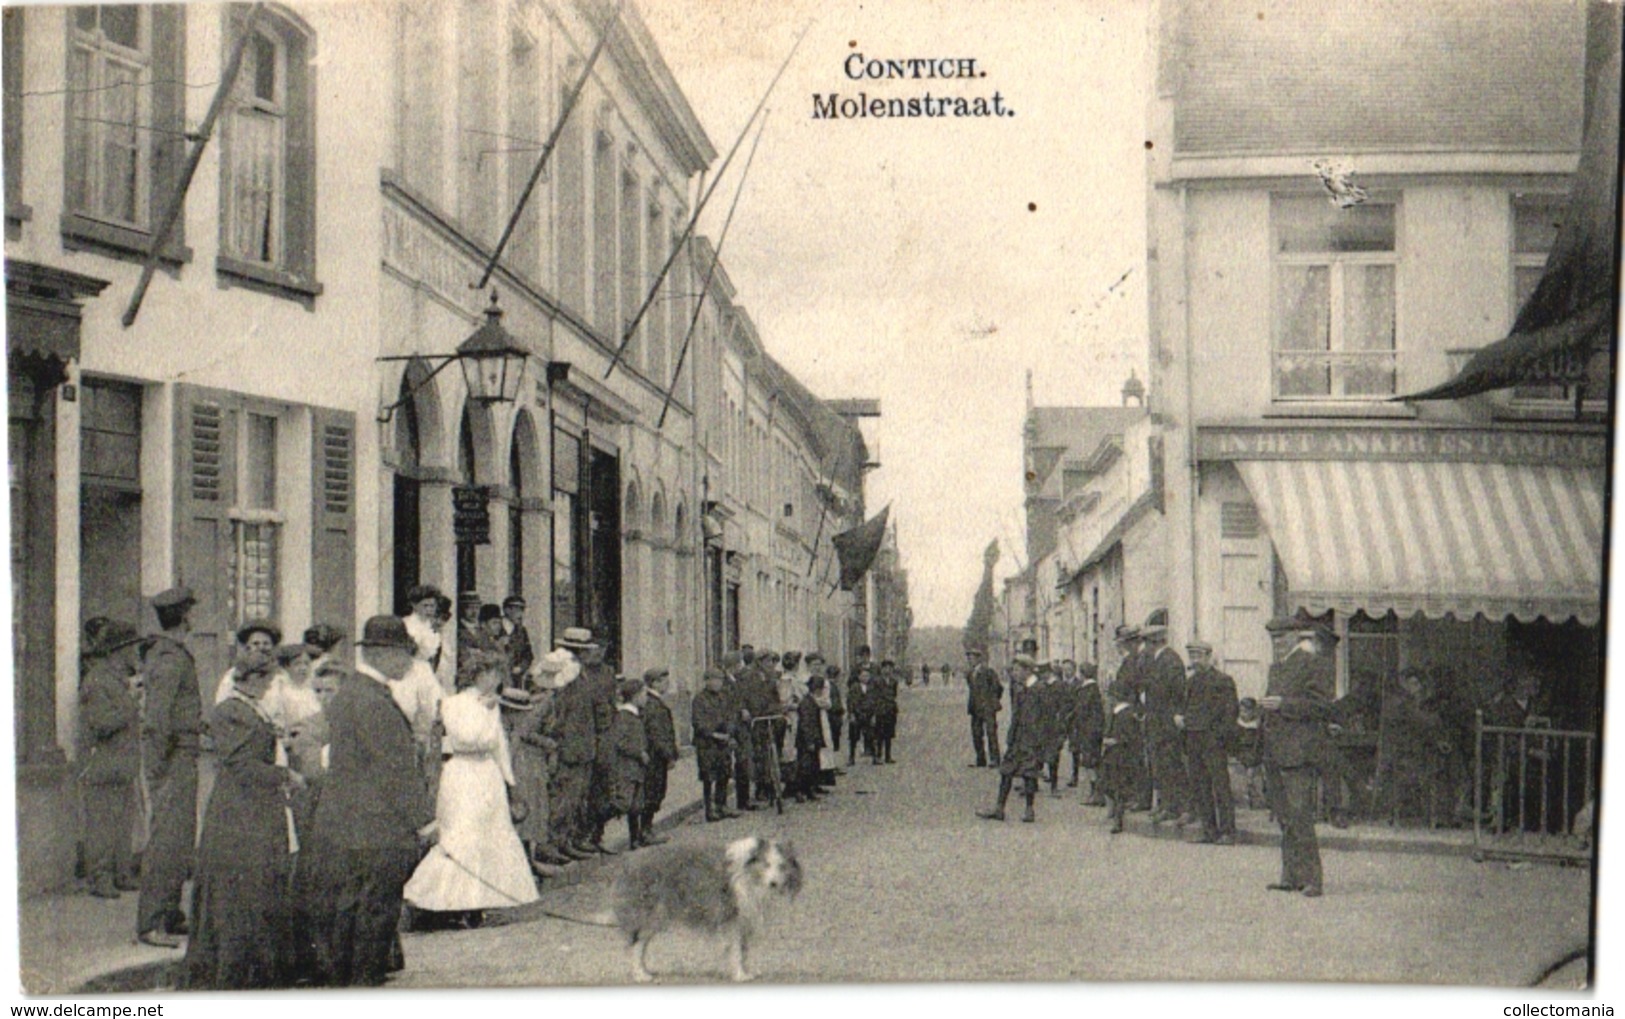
x=559, y=664
x=1126, y=633
x=1156, y=625
x=386, y=631
x=577, y=638
x=1199, y=645
x=115, y=636
x=254, y=626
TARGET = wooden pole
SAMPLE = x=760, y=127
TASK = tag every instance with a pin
x=172, y=213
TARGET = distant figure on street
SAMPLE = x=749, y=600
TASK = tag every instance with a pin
x=983, y=705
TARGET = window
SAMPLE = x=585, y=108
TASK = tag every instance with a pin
x=267, y=186
x=521, y=151
x=631, y=271
x=1535, y=221
x=257, y=520
x=109, y=108
x=1333, y=316
x=125, y=127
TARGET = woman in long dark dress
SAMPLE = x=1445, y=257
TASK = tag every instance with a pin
x=240, y=892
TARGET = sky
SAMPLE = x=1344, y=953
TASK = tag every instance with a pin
x=930, y=263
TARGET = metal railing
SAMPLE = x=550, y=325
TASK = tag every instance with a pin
x=1534, y=792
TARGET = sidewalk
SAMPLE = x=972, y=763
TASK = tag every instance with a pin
x=73, y=942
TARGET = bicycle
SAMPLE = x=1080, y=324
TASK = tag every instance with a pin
x=775, y=764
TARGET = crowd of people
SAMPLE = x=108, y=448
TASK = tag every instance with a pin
x=350, y=783
x=1160, y=736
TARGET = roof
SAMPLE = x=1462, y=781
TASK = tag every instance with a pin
x=1057, y=432
x=1292, y=76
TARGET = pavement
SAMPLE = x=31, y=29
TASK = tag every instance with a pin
x=904, y=883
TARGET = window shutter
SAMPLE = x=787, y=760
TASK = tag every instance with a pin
x=333, y=536
x=168, y=114
x=206, y=480
x=299, y=214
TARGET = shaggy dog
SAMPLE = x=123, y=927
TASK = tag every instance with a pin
x=712, y=889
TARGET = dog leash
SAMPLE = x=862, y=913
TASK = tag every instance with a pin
x=544, y=912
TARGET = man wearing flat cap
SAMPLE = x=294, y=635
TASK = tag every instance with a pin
x=1027, y=745
x=1210, y=714
x=171, y=731
x=1297, y=706
x=373, y=814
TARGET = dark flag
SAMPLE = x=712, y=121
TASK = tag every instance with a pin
x=857, y=547
x=1571, y=315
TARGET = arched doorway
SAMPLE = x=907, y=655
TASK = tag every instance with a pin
x=417, y=438
x=659, y=625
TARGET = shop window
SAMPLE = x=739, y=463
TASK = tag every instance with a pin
x=1373, y=656
x=267, y=187
x=1535, y=222
x=125, y=122
x=1333, y=312
x=566, y=495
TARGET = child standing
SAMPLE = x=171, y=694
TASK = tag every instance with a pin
x=629, y=761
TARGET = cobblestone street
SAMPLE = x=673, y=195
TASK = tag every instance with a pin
x=903, y=881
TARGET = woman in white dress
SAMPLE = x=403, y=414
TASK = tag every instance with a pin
x=478, y=863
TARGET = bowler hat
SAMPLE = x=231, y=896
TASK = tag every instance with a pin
x=254, y=626
x=489, y=611
x=513, y=600
x=324, y=637
x=174, y=597
x=1156, y=625
x=577, y=638
x=386, y=631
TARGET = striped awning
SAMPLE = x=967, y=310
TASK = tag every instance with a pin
x=1437, y=538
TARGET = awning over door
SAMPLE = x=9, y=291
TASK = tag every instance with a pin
x=1436, y=538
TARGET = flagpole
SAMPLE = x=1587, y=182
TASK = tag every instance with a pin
x=172, y=214
x=716, y=257
x=626, y=337
x=547, y=147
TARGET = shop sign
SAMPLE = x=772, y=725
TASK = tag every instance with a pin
x=471, y=514
x=1508, y=446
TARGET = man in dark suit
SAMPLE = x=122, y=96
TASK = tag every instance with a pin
x=1128, y=684
x=574, y=733
x=598, y=681
x=985, y=693
x=373, y=814
x=660, y=735
x=713, y=718
x=1297, y=706
x=171, y=731
x=1058, y=700
x=1163, y=681
x=1210, y=714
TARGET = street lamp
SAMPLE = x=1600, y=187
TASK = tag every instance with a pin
x=493, y=365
